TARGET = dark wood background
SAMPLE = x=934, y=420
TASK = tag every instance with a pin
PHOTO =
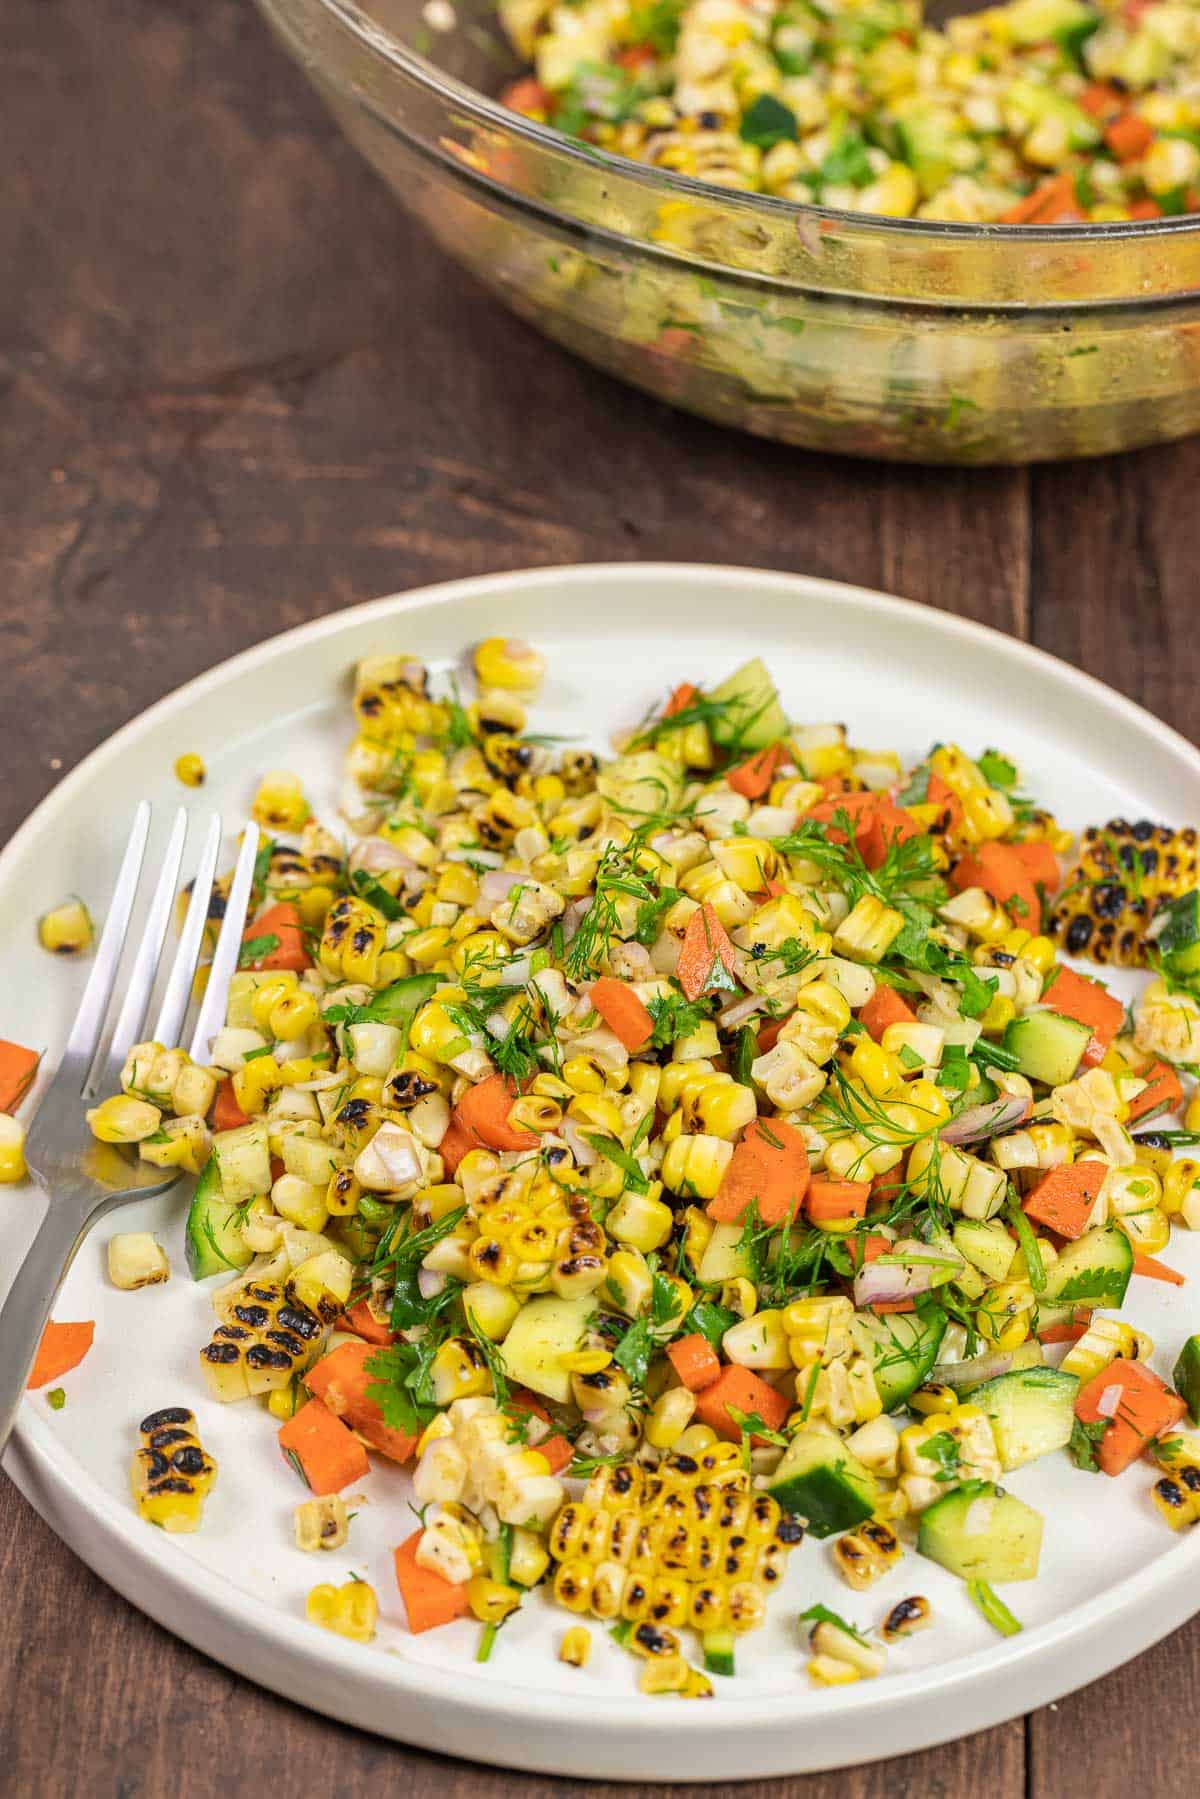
x=239, y=390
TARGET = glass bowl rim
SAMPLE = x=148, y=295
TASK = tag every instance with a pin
x=377, y=40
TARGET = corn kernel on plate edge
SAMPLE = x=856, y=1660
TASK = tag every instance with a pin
x=1113, y=1580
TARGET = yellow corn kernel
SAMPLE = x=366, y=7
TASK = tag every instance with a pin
x=12, y=1150
x=576, y=1646
x=491, y=1600
x=507, y=663
x=279, y=804
x=350, y=1610
x=878, y=1071
x=293, y=1016
x=1191, y=1117
x=869, y=930
x=669, y=1417
x=665, y=1674
x=829, y=1671
x=254, y=1081
x=67, y=930
x=740, y=1295
x=123, y=1119
x=1179, y=1183
x=640, y=1221
x=189, y=768
x=583, y=1075
x=695, y=1166
x=269, y=989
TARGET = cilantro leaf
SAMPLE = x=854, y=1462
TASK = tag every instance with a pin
x=255, y=948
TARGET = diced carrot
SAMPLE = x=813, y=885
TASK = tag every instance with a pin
x=886, y=1189
x=17, y=1069
x=885, y=1007
x=831, y=784
x=705, y=944
x=484, y=1111
x=1150, y=209
x=1129, y=137
x=1075, y=996
x=1154, y=1270
x=769, y=1168
x=1101, y=100
x=681, y=699
x=859, y=809
x=622, y=1011
x=1066, y=1333
x=1064, y=1197
x=889, y=824
x=282, y=921
x=1004, y=877
x=826, y=1199
x=746, y=1392
x=556, y=1448
x=1145, y=1405
x=326, y=1453
x=226, y=1114
x=526, y=95
x=341, y=1381
x=277, y=1168
x=940, y=795
x=362, y=1321
x=1163, y=1092
x=1040, y=862
x=63, y=1347
x=636, y=57
x=457, y=1143
x=768, y=1035
x=1053, y=200
x=695, y=1361
x=753, y=778
x=428, y=1599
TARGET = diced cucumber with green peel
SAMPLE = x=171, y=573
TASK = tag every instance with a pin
x=212, y=1235
x=399, y=1003
x=719, y=1652
x=1040, y=21
x=822, y=1481
x=987, y=1246
x=903, y=1347
x=243, y=1158
x=1094, y=1271
x=1047, y=1046
x=752, y=717
x=1032, y=102
x=1179, y=940
x=1032, y=1412
x=979, y=1532
x=1186, y=1377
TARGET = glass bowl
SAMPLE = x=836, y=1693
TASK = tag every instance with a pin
x=837, y=331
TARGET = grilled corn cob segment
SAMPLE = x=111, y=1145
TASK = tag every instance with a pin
x=270, y=1337
x=1124, y=874
x=171, y=1473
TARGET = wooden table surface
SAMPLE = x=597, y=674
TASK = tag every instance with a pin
x=239, y=391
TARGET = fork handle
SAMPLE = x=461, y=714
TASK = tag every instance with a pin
x=24, y=1313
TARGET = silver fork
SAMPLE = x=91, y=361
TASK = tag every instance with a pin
x=81, y=1177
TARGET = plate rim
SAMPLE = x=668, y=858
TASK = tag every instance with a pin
x=70, y=1498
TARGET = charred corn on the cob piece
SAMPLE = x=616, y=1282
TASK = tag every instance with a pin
x=1124, y=874
x=686, y=1546
x=863, y=1555
x=171, y=1473
x=269, y=1338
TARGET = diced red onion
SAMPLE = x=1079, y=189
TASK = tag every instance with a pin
x=495, y=887
x=882, y=1282
x=585, y=1156
x=1109, y=1402
x=429, y=1282
x=987, y=1120
x=486, y=858
x=573, y=917
x=740, y=1010
x=374, y=855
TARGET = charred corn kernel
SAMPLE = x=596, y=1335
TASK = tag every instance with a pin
x=1177, y=1497
x=254, y=1082
x=491, y=1600
x=863, y=1555
x=458, y=1370
x=906, y=1617
x=576, y=1646
x=740, y=1295
x=343, y=1194
x=583, y=1075
x=268, y=990
x=351, y=1610
x=279, y=804
x=1005, y=1314
x=532, y=1113
x=123, y=1120
x=67, y=930
x=189, y=768
x=12, y=1150
x=269, y=1337
x=171, y=1473
x=180, y=1143
x=818, y=1329
x=322, y=1523
x=1104, y=1340
x=869, y=930
x=628, y=1282
x=963, y=1435
x=930, y=1401
x=667, y=1674
x=136, y=1259
x=509, y=664
x=695, y=1166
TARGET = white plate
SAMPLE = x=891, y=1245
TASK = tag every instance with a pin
x=1114, y=1578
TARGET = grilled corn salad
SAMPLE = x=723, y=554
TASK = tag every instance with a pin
x=672, y=1156
x=1031, y=112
